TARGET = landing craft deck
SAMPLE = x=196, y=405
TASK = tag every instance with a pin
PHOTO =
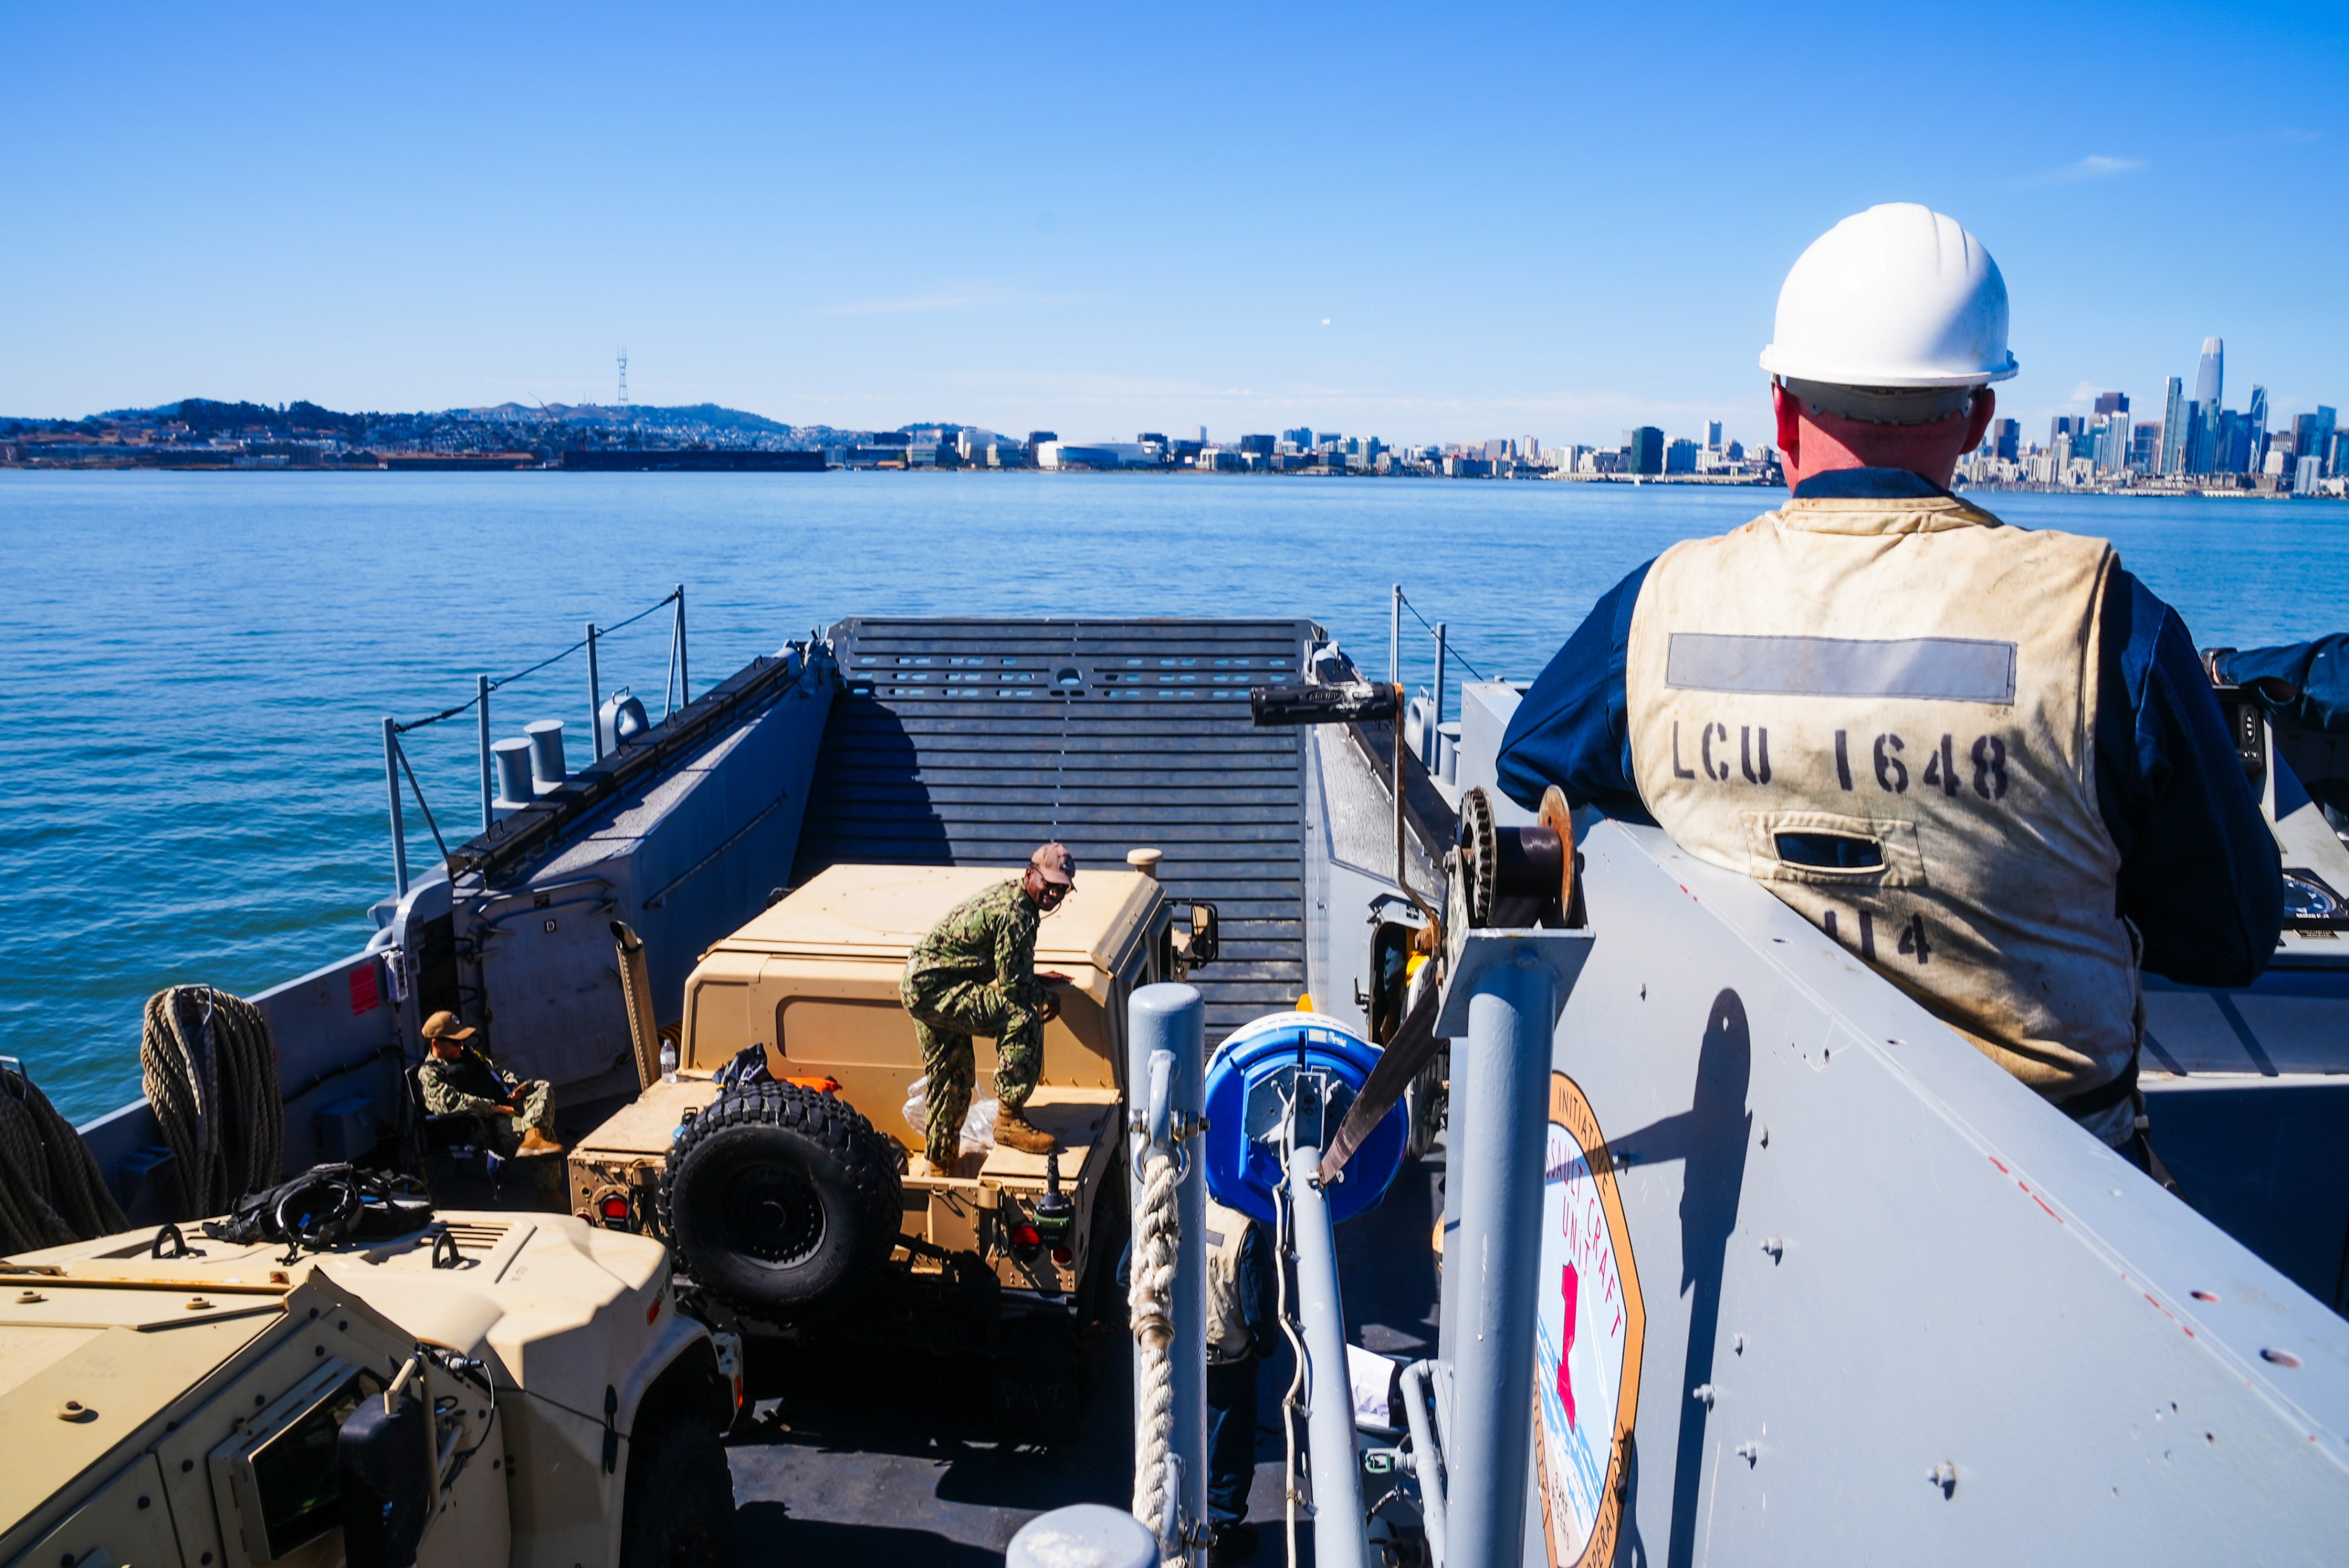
x=1864, y=1296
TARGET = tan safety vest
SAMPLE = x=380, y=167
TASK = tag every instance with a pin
x=1228, y=1338
x=1904, y=689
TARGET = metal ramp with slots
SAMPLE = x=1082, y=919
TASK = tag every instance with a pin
x=969, y=742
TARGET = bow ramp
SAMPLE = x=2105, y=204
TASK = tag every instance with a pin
x=970, y=741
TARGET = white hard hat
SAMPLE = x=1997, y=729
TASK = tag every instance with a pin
x=1899, y=295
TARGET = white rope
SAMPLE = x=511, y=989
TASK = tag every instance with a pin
x=1150, y=1304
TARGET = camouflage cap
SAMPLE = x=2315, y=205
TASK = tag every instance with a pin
x=443, y=1025
x=1054, y=863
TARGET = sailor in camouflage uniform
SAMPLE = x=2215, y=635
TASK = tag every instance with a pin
x=975, y=973
x=458, y=1079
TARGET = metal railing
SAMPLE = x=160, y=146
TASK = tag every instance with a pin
x=677, y=689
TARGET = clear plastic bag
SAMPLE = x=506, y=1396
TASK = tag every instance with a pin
x=977, y=1123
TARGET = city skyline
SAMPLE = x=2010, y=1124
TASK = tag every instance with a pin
x=1503, y=220
x=2179, y=439
x=2088, y=402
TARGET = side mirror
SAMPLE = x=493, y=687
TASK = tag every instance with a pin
x=383, y=1455
x=1198, y=949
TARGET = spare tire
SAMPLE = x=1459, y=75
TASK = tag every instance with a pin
x=780, y=1200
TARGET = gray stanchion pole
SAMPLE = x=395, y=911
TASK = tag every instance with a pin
x=595, y=699
x=391, y=785
x=1339, y=1537
x=489, y=781
x=1435, y=758
x=1394, y=638
x=1490, y=1261
x=1172, y=1019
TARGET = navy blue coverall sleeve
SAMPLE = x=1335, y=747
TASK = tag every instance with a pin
x=1572, y=729
x=2317, y=674
x=2200, y=874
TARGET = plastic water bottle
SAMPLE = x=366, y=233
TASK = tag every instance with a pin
x=669, y=1061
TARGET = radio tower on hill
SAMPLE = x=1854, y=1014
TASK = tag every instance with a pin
x=623, y=376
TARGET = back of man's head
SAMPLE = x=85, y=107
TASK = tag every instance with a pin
x=1890, y=328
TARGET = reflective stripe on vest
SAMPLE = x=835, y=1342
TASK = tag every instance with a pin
x=1883, y=711
x=1228, y=1338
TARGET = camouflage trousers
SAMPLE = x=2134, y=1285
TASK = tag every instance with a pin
x=535, y=1099
x=946, y=1014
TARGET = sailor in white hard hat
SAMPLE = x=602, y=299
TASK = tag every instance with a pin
x=1985, y=759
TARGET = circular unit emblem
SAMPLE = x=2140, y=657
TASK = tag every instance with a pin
x=1588, y=1337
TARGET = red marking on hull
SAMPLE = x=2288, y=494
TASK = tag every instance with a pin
x=1568, y=1290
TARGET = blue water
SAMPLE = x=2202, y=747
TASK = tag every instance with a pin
x=196, y=665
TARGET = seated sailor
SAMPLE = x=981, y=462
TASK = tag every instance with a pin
x=1984, y=759
x=458, y=1079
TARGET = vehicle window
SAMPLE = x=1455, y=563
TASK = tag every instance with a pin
x=293, y=1473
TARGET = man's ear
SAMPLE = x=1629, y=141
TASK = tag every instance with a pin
x=1789, y=411
x=1985, y=409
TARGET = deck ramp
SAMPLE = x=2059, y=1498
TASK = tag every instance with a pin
x=968, y=742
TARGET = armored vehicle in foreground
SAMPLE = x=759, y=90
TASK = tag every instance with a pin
x=494, y=1387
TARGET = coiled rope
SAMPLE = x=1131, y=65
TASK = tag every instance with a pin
x=50, y=1190
x=211, y=1073
x=1150, y=1304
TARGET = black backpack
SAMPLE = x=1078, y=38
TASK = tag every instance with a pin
x=326, y=1205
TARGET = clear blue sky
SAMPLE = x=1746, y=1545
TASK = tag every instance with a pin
x=1423, y=224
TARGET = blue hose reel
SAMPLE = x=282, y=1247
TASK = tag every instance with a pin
x=1251, y=1080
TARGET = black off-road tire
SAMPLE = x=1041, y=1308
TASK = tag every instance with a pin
x=679, y=1508
x=780, y=1200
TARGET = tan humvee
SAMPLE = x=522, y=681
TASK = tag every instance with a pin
x=814, y=981
x=188, y=1409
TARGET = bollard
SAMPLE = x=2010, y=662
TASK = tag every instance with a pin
x=548, y=767
x=511, y=761
x=1083, y=1535
x=1171, y=1020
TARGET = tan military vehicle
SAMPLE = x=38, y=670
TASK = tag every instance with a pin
x=495, y=1388
x=790, y=1194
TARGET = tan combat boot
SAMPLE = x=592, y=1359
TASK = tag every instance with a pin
x=1014, y=1131
x=536, y=1142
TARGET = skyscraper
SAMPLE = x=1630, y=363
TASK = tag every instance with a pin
x=2111, y=403
x=2230, y=444
x=2173, y=429
x=2255, y=424
x=2210, y=377
x=2312, y=437
x=2006, y=438
x=1713, y=434
x=2112, y=442
x=1645, y=449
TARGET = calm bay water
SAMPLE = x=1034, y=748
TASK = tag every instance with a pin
x=190, y=761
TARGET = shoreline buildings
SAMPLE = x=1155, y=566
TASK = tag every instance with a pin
x=2198, y=446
